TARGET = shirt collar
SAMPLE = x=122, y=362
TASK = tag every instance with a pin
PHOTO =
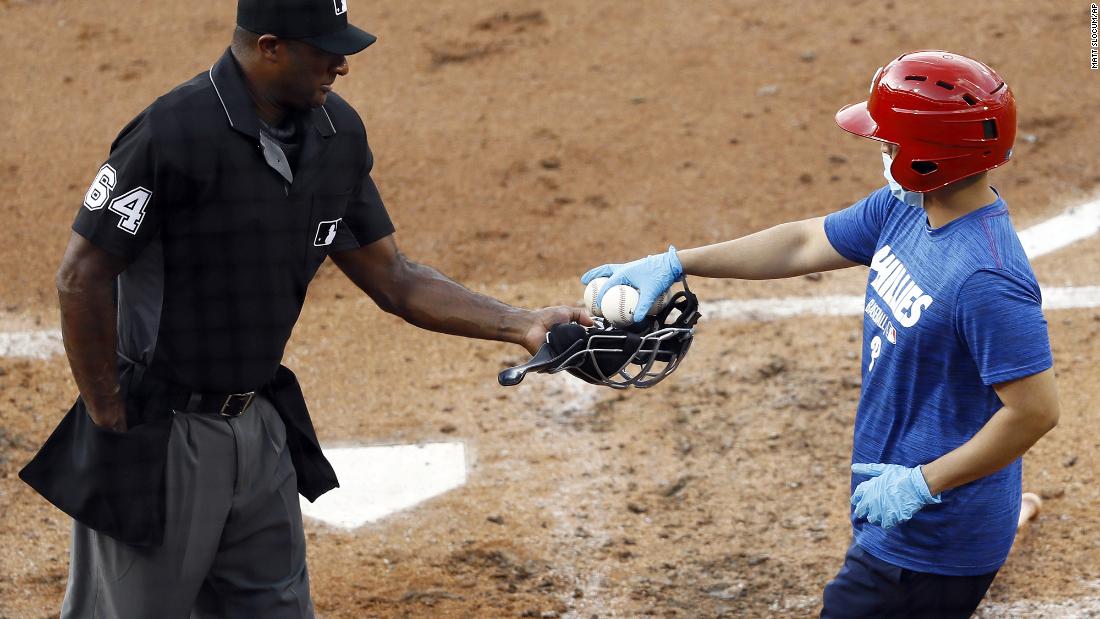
x=229, y=85
x=996, y=207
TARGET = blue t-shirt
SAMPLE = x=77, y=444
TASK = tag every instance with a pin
x=949, y=312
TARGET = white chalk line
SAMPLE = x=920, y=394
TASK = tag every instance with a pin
x=47, y=343
x=41, y=344
x=1075, y=224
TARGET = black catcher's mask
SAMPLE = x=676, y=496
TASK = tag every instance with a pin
x=640, y=355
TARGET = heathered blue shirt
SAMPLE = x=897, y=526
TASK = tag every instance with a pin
x=949, y=312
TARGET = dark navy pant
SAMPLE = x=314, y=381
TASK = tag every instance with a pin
x=867, y=587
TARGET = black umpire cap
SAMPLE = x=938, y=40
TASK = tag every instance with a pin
x=321, y=23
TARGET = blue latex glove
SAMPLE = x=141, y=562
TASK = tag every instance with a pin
x=892, y=495
x=652, y=276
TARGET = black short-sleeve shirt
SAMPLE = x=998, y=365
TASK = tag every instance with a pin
x=221, y=239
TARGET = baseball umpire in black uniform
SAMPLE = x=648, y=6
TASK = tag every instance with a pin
x=182, y=459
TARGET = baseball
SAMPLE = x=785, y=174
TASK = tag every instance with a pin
x=621, y=300
x=660, y=303
x=618, y=305
x=591, y=294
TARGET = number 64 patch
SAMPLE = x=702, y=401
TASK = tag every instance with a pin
x=130, y=206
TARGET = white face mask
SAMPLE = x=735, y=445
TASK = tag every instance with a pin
x=912, y=198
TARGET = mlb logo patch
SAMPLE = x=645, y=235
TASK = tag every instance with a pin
x=341, y=6
x=326, y=232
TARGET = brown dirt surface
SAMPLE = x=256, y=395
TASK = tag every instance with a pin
x=519, y=142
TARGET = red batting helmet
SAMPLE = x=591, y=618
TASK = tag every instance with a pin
x=950, y=117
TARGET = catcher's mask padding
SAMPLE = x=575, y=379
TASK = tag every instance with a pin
x=572, y=337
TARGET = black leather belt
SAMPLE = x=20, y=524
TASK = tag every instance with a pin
x=224, y=404
x=180, y=398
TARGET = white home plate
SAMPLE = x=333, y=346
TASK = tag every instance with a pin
x=378, y=481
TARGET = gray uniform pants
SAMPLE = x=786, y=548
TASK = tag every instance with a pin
x=233, y=544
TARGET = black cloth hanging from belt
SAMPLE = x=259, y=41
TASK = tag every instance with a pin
x=113, y=482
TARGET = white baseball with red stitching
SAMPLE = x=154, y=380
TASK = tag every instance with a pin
x=618, y=305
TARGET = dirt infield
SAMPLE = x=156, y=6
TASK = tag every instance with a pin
x=517, y=144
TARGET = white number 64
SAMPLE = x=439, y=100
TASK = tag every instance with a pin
x=130, y=205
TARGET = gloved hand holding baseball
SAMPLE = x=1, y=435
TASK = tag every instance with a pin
x=892, y=495
x=652, y=276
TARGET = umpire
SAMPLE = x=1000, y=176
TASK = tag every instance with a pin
x=182, y=459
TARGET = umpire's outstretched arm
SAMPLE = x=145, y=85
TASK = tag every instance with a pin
x=89, y=328
x=430, y=300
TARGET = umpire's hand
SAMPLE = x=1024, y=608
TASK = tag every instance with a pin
x=543, y=319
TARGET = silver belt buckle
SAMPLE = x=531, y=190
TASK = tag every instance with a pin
x=226, y=411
